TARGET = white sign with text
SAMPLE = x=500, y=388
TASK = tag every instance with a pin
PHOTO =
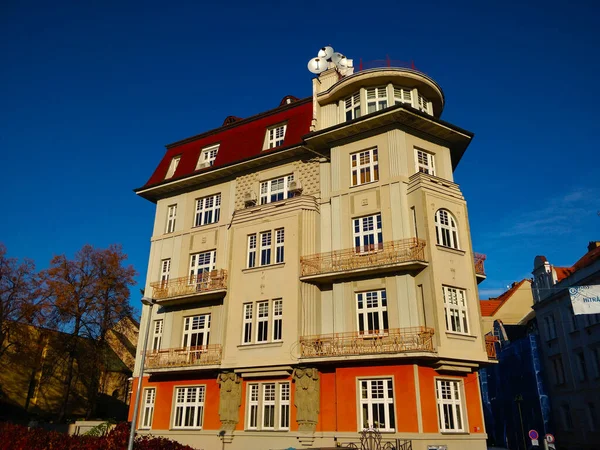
x=585, y=299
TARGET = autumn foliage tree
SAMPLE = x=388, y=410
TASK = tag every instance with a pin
x=89, y=295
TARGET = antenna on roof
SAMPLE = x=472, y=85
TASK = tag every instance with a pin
x=327, y=58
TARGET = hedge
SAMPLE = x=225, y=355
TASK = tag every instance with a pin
x=19, y=437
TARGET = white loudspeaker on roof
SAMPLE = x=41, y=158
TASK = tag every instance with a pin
x=325, y=52
x=318, y=65
x=336, y=56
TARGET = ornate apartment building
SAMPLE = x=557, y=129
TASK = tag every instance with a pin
x=313, y=275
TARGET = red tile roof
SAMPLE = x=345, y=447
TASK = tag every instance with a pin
x=489, y=307
x=562, y=272
x=238, y=141
x=590, y=257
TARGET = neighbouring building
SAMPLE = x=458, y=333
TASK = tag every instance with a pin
x=570, y=348
x=34, y=370
x=514, y=392
x=313, y=275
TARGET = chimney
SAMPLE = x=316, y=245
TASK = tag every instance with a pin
x=592, y=245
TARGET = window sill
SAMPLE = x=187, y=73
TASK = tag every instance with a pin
x=456, y=251
x=259, y=268
x=196, y=227
x=358, y=186
x=455, y=432
x=269, y=430
x=260, y=345
x=462, y=336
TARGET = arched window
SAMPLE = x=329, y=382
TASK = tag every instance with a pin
x=445, y=229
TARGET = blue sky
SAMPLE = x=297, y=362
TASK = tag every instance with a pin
x=91, y=91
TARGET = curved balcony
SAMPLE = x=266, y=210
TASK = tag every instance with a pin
x=479, y=268
x=404, y=254
x=205, y=286
x=396, y=340
x=186, y=358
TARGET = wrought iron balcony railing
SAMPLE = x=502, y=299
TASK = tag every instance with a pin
x=490, y=346
x=384, y=254
x=397, y=340
x=184, y=357
x=479, y=259
x=200, y=283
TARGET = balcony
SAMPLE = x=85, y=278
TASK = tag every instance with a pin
x=205, y=285
x=183, y=358
x=490, y=346
x=404, y=254
x=479, y=269
x=398, y=340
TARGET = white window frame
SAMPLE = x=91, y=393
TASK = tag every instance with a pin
x=401, y=97
x=207, y=157
x=382, y=400
x=269, y=400
x=377, y=99
x=367, y=233
x=173, y=166
x=201, y=264
x=157, y=333
x=422, y=103
x=266, y=248
x=446, y=229
x=248, y=321
x=371, y=309
x=258, y=403
x=352, y=107
x=196, y=328
x=208, y=210
x=262, y=322
x=147, y=416
x=424, y=161
x=277, y=320
x=165, y=271
x=364, y=164
x=275, y=135
x=252, y=244
x=279, y=245
x=171, y=218
x=185, y=404
x=451, y=417
x=276, y=189
x=456, y=310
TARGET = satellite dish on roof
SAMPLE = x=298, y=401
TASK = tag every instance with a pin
x=325, y=52
x=318, y=65
x=342, y=63
x=335, y=57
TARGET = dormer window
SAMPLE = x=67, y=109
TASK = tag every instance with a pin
x=376, y=99
x=275, y=136
x=207, y=157
x=173, y=167
x=402, y=95
x=352, y=106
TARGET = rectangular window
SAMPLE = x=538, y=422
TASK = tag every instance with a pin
x=208, y=210
x=248, y=313
x=279, y=247
x=559, y=371
x=402, y=95
x=352, y=106
x=592, y=416
x=148, y=408
x=424, y=162
x=262, y=322
x=455, y=309
x=376, y=99
x=573, y=319
x=189, y=407
x=165, y=271
x=265, y=248
x=581, y=367
x=171, y=216
x=157, y=335
x=275, y=190
x=251, y=250
x=423, y=104
x=364, y=167
x=567, y=419
x=275, y=136
x=368, y=236
x=277, y=319
x=596, y=361
x=372, y=312
x=268, y=406
x=377, y=404
x=201, y=264
x=172, y=167
x=550, y=327
x=207, y=157
x=449, y=405
x=196, y=331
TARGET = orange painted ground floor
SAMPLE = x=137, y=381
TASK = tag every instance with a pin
x=316, y=407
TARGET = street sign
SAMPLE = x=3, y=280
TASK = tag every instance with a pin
x=533, y=435
x=535, y=442
x=550, y=438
